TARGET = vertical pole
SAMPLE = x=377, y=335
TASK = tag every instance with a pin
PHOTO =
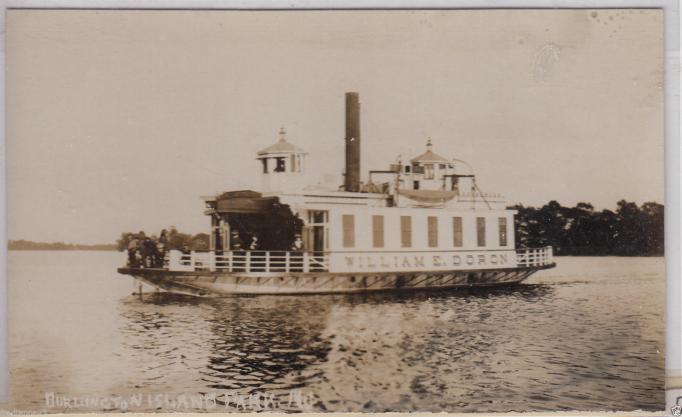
x=352, y=178
x=287, y=260
x=248, y=261
x=267, y=261
x=306, y=264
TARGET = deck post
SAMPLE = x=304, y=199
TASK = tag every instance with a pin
x=306, y=262
x=211, y=261
x=267, y=261
x=247, y=267
x=287, y=260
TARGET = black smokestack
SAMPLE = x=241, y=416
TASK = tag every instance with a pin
x=352, y=179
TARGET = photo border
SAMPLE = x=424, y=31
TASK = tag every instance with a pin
x=673, y=225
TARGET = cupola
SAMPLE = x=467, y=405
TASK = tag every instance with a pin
x=281, y=162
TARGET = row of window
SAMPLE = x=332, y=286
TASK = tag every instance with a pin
x=348, y=223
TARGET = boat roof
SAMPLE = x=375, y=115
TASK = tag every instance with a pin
x=429, y=156
x=281, y=146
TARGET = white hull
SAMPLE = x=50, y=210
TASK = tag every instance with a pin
x=216, y=284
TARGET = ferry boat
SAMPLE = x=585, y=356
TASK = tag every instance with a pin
x=420, y=224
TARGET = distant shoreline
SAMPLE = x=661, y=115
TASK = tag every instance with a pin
x=59, y=246
x=62, y=250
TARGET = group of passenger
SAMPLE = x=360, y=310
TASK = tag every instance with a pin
x=150, y=252
x=236, y=243
x=147, y=252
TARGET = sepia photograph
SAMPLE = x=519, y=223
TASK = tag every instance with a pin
x=456, y=210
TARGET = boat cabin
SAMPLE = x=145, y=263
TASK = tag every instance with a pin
x=426, y=214
x=430, y=226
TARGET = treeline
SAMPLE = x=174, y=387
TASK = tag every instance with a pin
x=580, y=230
x=30, y=245
x=176, y=240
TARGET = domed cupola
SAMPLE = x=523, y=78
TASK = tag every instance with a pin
x=429, y=156
x=429, y=171
x=282, y=164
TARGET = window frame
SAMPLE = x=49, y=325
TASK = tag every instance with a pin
x=378, y=231
x=503, y=231
x=405, y=231
x=432, y=231
x=457, y=232
x=480, y=232
x=348, y=230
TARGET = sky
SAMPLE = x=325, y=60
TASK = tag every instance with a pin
x=121, y=120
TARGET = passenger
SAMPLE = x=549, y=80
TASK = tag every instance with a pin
x=257, y=257
x=163, y=238
x=237, y=248
x=298, y=243
x=162, y=248
x=235, y=241
x=140, y=249
x=148, y=252
x=296, y=256
x=133, y=244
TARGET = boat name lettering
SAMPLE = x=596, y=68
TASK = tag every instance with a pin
x=424, y=261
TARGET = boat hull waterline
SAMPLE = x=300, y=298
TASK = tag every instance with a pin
x=217, y=284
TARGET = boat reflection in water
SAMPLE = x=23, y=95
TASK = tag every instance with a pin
x=369, y=351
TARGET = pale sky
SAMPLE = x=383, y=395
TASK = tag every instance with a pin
x=120, y=120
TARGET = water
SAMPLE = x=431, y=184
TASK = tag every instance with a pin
x=587, y=335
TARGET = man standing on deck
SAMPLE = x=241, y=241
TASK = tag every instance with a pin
x=235, y=241
x=132, y=251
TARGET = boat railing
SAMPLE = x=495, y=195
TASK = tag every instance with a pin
x=535, y=257
x=248, y=261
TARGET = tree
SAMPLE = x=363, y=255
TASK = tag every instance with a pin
x=579, y=230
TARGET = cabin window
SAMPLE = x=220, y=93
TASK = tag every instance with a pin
x=415, y=185
x=406, y=231
x=378, y=231
x=348, y=225
x=502, y=224
x=280, y=164
x=432, y=223
x=315, y=236
x=441, y=166
x=407, y=169
x=265, y=165
x=428, y=172
x=480, y=230
x=457, y=240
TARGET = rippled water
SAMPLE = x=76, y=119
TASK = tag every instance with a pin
x=587, y=335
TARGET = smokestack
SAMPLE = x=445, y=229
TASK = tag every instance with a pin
x=352, y=179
